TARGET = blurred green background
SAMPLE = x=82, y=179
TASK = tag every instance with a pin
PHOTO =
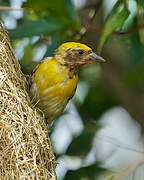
x=100, y=134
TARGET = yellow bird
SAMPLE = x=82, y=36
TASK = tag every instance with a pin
x=54, y=81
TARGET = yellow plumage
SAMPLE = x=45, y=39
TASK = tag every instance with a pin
x=52, y=87
x=55, y=80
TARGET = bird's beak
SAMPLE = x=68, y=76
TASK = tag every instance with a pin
x=93, y=57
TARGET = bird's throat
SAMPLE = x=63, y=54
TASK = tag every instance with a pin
x=72, y=71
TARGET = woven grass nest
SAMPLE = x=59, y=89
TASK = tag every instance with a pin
x=25, y=148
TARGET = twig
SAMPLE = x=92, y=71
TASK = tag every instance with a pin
x=6, y=8
x=128, y=32
x=92, y=13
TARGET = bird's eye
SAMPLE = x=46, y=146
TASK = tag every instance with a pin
x=81, y=52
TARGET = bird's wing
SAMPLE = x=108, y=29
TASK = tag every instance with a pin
x=31, y=76
x=34, y=70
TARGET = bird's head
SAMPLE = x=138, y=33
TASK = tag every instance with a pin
x=75, y=55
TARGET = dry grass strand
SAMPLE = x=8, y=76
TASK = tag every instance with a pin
x=25, y=148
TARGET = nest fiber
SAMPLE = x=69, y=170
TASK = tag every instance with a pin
x=25, y=148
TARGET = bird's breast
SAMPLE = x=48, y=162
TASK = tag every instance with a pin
x=52, y=87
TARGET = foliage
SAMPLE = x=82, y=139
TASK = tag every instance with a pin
x=115, y=20
x=119, y=82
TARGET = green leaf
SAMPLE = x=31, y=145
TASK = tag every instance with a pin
x=56, y=40
x=136, y=50
x=32, y=28
x=140, y=19
x=4, y=2
x=90, y=172
x=70, y=10
x=98, y=100
x=115, y=20
x=81, y=145
x=62, y=9
x=140, y=2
